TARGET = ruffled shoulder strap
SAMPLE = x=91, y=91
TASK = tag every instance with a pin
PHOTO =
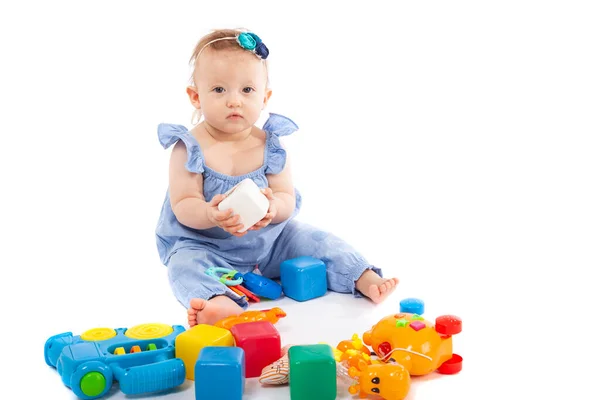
x=277, y=126
x=169, y=134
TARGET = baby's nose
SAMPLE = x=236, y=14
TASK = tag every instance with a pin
x=234, y=101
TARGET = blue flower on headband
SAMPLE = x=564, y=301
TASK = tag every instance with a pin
x=252, y=42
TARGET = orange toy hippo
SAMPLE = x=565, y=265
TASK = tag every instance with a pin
x=272, y=315
x=415, y=343
x=389, y=381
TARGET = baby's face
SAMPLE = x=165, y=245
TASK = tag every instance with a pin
x=232, y=88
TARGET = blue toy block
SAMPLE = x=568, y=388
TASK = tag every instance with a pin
x=413, y=306
x=303, y=278
x=220, y=373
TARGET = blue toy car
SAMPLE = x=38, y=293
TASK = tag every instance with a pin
x=142, y=359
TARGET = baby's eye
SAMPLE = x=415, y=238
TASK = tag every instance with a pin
x=247, y=89
x=218, y=89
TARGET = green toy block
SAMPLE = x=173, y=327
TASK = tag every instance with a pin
x=312, y=372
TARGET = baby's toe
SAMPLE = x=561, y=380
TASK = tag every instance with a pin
x=197, y=304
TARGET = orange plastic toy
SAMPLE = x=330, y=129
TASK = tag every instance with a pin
x=351, y=352
x=272, y=315
x=355, y=343
x=390, y=381
x=417, y=344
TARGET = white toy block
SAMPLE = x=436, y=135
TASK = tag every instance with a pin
x=247, y=201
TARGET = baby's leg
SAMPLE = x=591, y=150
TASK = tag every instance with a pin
x=208, y=299
x=347, y=270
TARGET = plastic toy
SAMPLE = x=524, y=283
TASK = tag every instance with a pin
x=232, y=279
x=347, y=354
x=261, y=344
x=247, y=201
x=413, y=306
x=303, y=278
x=416, y=343
x=405, y=345
x=389, y=381
x=273, y=315
x=355, y=344
x=141, y=358
x=261, y=286
x=312, y=372
x=220, y=373
x=189, y=344
x=351, y=355
x=277, y=373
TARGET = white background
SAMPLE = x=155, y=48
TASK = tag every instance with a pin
x=454, y=143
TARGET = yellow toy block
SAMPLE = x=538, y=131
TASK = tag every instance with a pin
x=189, y=343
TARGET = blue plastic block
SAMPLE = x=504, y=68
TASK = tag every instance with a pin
x=220, y=373
x=303, y=278
x=413, y=306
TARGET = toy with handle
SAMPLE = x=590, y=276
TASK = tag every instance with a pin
x=141, y=358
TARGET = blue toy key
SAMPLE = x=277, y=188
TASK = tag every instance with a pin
x=261, y=286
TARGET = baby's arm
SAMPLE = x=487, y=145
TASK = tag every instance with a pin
x=185, y=191
x=282, y=187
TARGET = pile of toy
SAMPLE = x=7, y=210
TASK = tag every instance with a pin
x=150, y=358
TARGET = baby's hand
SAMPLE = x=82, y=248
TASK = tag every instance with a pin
x=271, y=213
x=224, y=219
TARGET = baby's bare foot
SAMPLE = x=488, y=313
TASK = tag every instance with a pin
x=375, y=287
x=378, y=292
x=203, y=311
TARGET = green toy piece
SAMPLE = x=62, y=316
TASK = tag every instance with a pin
x=92, y=384
x=312, y=372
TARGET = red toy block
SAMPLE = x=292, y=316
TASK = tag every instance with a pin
x=261, y=344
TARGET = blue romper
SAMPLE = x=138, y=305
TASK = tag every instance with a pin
x=188, y=252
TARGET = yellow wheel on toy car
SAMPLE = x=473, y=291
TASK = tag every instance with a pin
x=149, y=331
x=98, y=334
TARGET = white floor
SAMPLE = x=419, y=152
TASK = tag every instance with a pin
x=329, y=319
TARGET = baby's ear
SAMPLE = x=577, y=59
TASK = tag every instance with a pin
x=192, y=93
x=268, y=93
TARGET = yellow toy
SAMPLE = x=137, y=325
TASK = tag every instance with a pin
x=189, y=343
x=417, y=344
x=349, y=353
x=355, y=344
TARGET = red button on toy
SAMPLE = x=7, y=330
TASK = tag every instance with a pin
x=448, y=325
x=452, y=366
